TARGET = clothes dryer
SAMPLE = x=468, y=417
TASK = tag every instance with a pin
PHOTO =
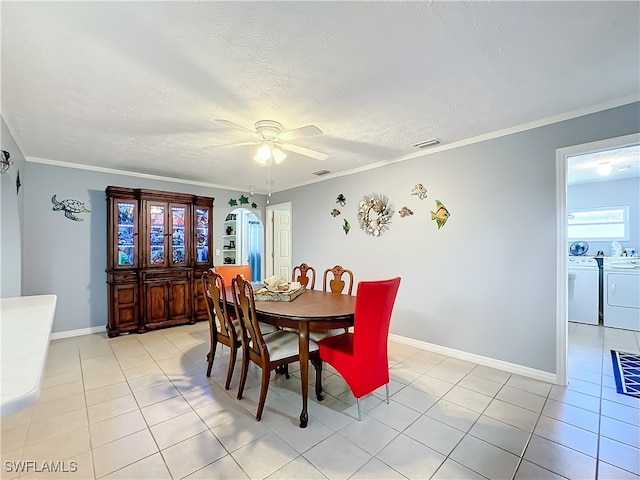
x=583, y=289
x=622, y=293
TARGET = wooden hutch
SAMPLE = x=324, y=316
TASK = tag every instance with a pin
x=158, y=245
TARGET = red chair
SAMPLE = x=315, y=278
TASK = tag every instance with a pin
x=361, y=356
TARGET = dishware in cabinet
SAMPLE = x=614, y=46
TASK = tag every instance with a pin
x=203, y=221
x=167, y=225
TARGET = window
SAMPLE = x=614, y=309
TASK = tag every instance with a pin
x=605, y=223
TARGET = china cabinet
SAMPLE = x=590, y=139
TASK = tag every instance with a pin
x=158, y=245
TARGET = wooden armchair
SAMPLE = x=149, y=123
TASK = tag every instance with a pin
x=301, y=274
x=337, y=284
x=221, y=328
x=267, y=351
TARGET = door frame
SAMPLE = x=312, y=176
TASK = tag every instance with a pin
x=562, y=322
x=269, y=234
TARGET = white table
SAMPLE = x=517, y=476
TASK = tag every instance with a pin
x=25, y=330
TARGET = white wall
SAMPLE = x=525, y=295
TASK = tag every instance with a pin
x=11, y=201
x=485, y=283
x=68, y=258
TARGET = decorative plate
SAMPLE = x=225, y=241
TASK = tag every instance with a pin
x=578, y=248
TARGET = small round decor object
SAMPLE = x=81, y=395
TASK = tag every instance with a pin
x=374, y=214
x=578, y=248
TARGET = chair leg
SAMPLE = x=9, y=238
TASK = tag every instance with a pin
x=243, y=375
x=317, y=363
x=264, y=387
x=358, y=404
x=387, y=388
x=210, y=356
x=232, y=362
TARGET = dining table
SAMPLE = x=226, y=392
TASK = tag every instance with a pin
x=313, y=310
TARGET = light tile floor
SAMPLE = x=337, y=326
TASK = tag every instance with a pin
x=140, y=406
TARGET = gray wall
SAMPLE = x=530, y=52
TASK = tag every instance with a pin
x=606, y=194
x=485, y=283
x=11, y=214
x=68, y=258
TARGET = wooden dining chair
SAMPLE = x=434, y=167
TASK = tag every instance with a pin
x=228, y=272
x=337, y=284
x=266, y=351
x=361, y=356
x=221, y=328
x=304, y=274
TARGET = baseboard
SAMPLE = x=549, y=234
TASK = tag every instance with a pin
x=479, y=359
x=77, y=333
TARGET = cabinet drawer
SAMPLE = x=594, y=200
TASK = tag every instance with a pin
x=122, y=277
x=165, y=275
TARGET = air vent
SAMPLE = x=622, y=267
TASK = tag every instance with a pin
x=321, y=172
x=427, y=143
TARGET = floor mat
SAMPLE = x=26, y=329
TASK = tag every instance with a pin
x=626, y=369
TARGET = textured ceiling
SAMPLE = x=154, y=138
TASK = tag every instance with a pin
x=137, y=85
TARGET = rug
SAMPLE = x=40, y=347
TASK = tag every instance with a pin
x=626, y=369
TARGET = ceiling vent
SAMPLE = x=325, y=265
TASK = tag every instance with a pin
x=321, y=172
x=427, y=143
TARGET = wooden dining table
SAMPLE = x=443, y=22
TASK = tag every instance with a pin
x=314, y=310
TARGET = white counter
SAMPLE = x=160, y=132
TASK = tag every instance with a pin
x=25, y=329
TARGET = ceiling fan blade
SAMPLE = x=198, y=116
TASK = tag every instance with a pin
x=307, y=152
x=308, y=131
x=236, y=126
x=237, y=144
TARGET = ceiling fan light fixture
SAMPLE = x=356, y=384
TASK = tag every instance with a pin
x=604, y=169
x=263, y=155
x=278, y=155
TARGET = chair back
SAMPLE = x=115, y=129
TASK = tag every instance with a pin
x=337, y=284
x=214, y=288
x=374, y=305
x=304, y=274
x=228, y=272
x=252, y=340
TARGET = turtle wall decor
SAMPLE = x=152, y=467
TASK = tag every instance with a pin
x=70, y=207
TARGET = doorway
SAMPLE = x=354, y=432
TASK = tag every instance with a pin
x=563, y=158
x=243, y=241
x=278, y=240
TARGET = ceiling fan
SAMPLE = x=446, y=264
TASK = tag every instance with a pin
x=274, y=140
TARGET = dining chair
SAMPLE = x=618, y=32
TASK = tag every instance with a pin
x=221, y=328
x=301, y=274
x=361, y=356
x=337, y=284
x=228, y=272
x=267, y=351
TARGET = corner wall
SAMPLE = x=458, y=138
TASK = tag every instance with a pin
x=485, y=283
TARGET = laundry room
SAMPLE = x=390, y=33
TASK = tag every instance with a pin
x=603, y=210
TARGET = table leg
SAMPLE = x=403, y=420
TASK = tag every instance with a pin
x=303, y=332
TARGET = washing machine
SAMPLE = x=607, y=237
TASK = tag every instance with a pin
x=583, y=289
x=622, y=292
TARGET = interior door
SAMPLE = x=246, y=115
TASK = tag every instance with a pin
x=279, y=240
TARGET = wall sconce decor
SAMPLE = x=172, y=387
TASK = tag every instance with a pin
x=5, y=162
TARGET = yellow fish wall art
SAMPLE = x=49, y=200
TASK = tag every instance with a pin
x=440, y=215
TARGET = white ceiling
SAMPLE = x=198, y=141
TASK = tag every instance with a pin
x=137, y=85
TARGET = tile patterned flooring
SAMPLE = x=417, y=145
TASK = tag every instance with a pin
x=140, y=406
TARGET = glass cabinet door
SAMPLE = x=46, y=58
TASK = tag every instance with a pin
x=157, y=221
x=127, y=230
x=179, y=226
x=203, y=234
